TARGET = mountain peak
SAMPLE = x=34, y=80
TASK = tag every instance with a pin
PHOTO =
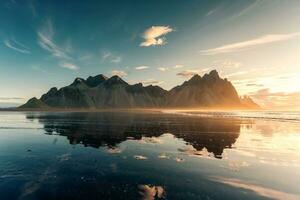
x=93, y=81
x=194, y=80
x=214, y=73
x=115, y=80
x=78, y=81
x=195, y=77
x=34, y=103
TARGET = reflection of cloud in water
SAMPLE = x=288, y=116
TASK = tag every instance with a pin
x=149, y=192
x=269, y=128
x=114, y=150
x=191, y=151
x=237, y=165
x=140, y=157
x=32, y=186
x=260, y=190
x=150, y=140
x=179, y=159
x=243, y=152
x=163, y=156
x=64, y=157
x=282, y=163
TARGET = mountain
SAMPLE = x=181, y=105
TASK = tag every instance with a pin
x=209, y=91
x=35, y=103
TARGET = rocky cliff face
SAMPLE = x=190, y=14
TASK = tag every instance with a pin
x=102, y=92
x=207, y=91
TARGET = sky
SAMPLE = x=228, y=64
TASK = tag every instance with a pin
x=255, y=44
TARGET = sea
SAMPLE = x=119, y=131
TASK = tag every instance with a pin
x=150, y=155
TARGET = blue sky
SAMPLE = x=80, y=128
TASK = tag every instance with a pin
x=255, y=44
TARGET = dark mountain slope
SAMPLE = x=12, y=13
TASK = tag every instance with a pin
x=209, y=90
x=102, y=92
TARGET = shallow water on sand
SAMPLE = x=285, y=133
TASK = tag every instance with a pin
x=147, y=156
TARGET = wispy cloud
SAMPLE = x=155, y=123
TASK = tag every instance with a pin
x=266, y=39
x=187, y=73
x=248, y=8
x=236, y=73
x=6, y=102
x=116, y=59
x=276, y=100
x=163, y=69
x=32, y=9
x=212, y=11
x=152, y=82
x=120, y=73
x=178, y=66
x=190, y=73
x=142, y=67
x=254, y=85
x=70, y=66
x=62, y=51
x=110, y=57
x=105, y=55
x=86, y=56
x=11, y=98
x=40, y=69
x=153, y=36
x=46, y=41
x=228, y=64
x=264, y=77
x=17, y=46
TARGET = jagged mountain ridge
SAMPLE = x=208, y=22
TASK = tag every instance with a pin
x=102, y=92
x=208, y=90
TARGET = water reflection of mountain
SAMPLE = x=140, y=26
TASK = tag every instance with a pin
x=110, y=129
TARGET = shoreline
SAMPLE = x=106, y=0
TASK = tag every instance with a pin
x=148, y=110
x=240, y=114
